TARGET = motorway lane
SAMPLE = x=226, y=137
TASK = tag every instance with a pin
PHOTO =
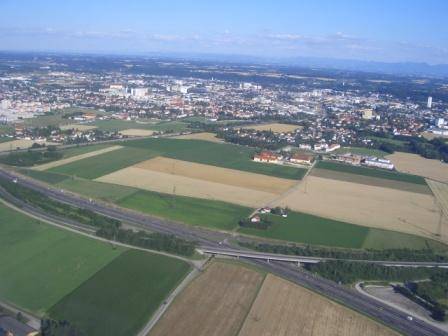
x=351, y=298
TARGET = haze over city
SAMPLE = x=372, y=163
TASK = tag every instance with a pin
x=387, y=31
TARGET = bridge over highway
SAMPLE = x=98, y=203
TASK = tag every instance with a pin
x=237, y=253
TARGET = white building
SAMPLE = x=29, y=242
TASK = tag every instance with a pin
x=378, y=163
x=429, y=103
x=139, y=92
x=440, y=122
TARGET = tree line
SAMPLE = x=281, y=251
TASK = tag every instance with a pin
x=402, y=254
x=107, y=227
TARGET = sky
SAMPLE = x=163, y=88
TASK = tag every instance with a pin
x=370, y=30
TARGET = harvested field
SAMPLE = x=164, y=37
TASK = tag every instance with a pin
x=136, y=132
x=180, y=185
x=75, y=158
x=371, y=206
x=274, y=127
x=371, y=180
x=22, y=143
x=79, y=127
x=440, y=191
x=415, y=164
x=283, y=308
x=209, y=173
x=200, y=136
x=216, y=303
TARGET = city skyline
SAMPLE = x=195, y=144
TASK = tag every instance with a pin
x=399, y=31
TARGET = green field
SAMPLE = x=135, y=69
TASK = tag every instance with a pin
x=388, y=140
x=41, y=264
x=380, y=173
x=44, y=176
x=362, y=151
x=221, y=155
x=205, y=152
x=99, y=165
x=119, y=125
x=378, y=239
x=193, y=211
x=309, y=229
x=104, y=191
x=119, y=298
x=312, y=230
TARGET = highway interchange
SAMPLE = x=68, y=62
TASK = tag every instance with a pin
x=215, y=242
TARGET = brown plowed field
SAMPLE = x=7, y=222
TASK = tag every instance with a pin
x=285, y=309
x=216, y=303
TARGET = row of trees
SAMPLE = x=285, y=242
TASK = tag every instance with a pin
x=107, y=227
x=349, y=272
x=436, y=148
x=312, y=251
x=31, y=158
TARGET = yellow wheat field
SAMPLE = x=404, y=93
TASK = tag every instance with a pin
x=361, y=204
x=285, y=309
x=200, y=136
x=136, y=132
x=214, y=304
x=274, y=127
x=440, y=191
x=202, y=181
x=22, y=144
x=79, y=127
x=417, y=165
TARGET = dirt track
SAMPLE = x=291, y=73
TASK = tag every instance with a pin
x=216, y=303
x=75, y=158
x=285, y=309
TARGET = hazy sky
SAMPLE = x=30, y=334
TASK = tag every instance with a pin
x=382, y=30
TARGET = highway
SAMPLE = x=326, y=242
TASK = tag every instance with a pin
x=213, y=241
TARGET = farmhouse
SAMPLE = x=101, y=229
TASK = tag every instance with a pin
x=348, y=158
x=270, y=157
x=301, y=159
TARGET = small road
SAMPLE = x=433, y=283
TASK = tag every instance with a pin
x=31, y=320
x=166, y=304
